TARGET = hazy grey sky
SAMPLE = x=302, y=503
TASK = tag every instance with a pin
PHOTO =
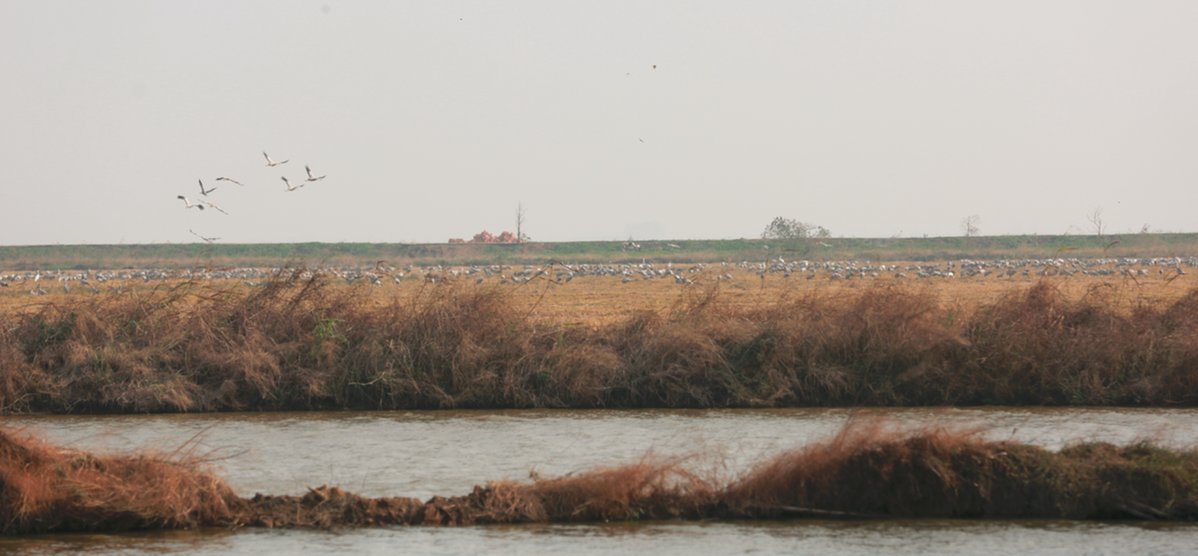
x=433, y=119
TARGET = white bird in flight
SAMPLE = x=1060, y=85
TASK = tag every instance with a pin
x=203, y=191
x=188, y=204
x=289, y=186
x=311, y=177
x=222, y=178
x=213, y=205
x=272, y=163
x=206, y=239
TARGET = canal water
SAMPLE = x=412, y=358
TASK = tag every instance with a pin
x=425, y=453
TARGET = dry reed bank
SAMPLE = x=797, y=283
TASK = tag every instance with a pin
x=864, y=472
x=301, y=343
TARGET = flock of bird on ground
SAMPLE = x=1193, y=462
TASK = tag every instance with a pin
x=1129, y=269
x=202, y=202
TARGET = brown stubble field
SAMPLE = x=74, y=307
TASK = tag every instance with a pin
x=598, y=300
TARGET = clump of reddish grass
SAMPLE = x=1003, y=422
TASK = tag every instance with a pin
x=1040, y=347
x=882, y=346
x=867, y=470
x=649, y=489
x=45, y=488
x=684, y=358
x=453, y=348
x=870, y=470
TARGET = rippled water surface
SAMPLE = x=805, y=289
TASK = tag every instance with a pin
x=425, y=453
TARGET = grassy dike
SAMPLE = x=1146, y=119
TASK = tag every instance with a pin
x=865, y=472
x=303, y=343
x=735, y=250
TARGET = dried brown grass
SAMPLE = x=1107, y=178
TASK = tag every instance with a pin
x=46, y=488
x=299, y=342
x=870, y=470
x=867, y=471
x=653, y=488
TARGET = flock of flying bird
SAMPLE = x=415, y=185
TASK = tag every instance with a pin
x=202, y=202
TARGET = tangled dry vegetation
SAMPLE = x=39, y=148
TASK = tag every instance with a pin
x=864, y=472
x=299, y=342
x=46, y=488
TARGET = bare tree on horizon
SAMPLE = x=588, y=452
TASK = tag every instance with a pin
x=970, y=225
x=1096, y=222
x=519, y=222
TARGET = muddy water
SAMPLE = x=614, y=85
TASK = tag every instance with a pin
x=425, y=453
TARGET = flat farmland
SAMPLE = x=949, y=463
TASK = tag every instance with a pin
x=569, y=294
